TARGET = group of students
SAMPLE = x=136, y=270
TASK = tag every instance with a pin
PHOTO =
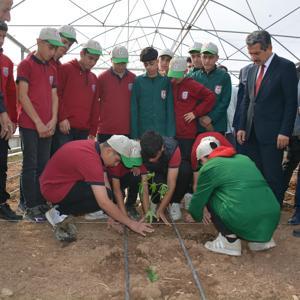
x=78, y=157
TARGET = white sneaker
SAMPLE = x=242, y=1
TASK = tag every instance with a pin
x=187, y=200
x=253, y=246
x=175, y=211
x=97, y=215
x=221, y=245
x=54, y=217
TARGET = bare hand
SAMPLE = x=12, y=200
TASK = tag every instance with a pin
x=205, y=121
x=188, y=218
x=51, y=126
x=206, y=216
x=115, y=225
x=241, y=136
x=42, y=130
x=189, y=117
x=136, y=171
x=64, y=126
x=141, y=227
x=160, y=215
x=7, y=126
x=282, y=141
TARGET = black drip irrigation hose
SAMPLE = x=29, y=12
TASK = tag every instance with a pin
x=189, y=261
x=126, y=265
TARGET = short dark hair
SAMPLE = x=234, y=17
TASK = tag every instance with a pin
x=151, y=143
x=148, y=54
x=188, y=60
x=262, y=37
x=3, y=26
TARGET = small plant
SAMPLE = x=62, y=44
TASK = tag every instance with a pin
x=151, y=274
x=160, y=188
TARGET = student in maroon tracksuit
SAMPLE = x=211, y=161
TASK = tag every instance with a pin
x=78, y=96
x=37, y=120
x=191, y=100
x=115, y=86
x=8, y=89
x=68, y=38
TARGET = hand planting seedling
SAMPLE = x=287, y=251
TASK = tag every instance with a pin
x=154, y=187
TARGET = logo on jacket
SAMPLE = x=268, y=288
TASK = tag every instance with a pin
x=51, y=78
x=94, y=88
x=185, y=95
x=218, y=89
x=5, y=71
x=130, y=86
x=163, y=94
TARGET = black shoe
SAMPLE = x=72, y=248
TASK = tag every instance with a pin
x=7, y=214
x=132, y=212
x=296, y=233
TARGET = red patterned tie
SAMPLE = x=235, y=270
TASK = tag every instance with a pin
x=259, y=79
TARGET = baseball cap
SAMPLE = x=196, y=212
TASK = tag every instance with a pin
x=68, y=31
x=92, y=47
x=205, y=148
x=52, y=36
x=210, y=48
x=148, y=54
x=129, y=150
x=119, y=55
x=196, y=47
x=166, y=52
x=177, y=67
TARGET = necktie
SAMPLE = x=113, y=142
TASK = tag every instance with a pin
x=259, y=79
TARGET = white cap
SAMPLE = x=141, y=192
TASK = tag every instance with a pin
x=52, y=36
x=177, y=67
x=119, y=55
x=196, y=47
x=204, y=148
x=129, y=150
x=93, y=47
x=166, y=52
x=210, y=48
x=68, y=31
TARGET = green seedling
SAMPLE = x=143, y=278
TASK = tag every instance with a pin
x=161, y=188
x=151, y=274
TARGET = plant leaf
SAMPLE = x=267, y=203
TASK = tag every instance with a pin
x=151, y=274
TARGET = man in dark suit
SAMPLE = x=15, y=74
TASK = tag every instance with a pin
x=268, y=110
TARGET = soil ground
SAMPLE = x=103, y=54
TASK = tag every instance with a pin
x=36, y=266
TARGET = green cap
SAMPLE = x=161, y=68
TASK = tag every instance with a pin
x=93, y=47
x=51, y=35
x=177, y=67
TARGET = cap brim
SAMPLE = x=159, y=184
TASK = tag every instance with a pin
x=176, y=74
x=120, y=60
x=68, y=36
x=56, y=43
x=130, y=162
x=195, y=50
x=209, y=51
x=94, y=51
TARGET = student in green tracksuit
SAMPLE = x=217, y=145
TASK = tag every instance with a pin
x=219, y=82
x=240, y=203
x=152, y=106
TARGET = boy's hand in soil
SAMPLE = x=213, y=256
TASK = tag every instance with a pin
x=160, y=214
x=140, y=227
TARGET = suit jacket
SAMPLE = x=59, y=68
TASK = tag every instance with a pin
x=272, y=111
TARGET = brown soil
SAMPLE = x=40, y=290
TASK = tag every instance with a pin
x=36, y=266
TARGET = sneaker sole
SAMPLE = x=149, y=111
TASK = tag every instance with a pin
x=223, y=251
